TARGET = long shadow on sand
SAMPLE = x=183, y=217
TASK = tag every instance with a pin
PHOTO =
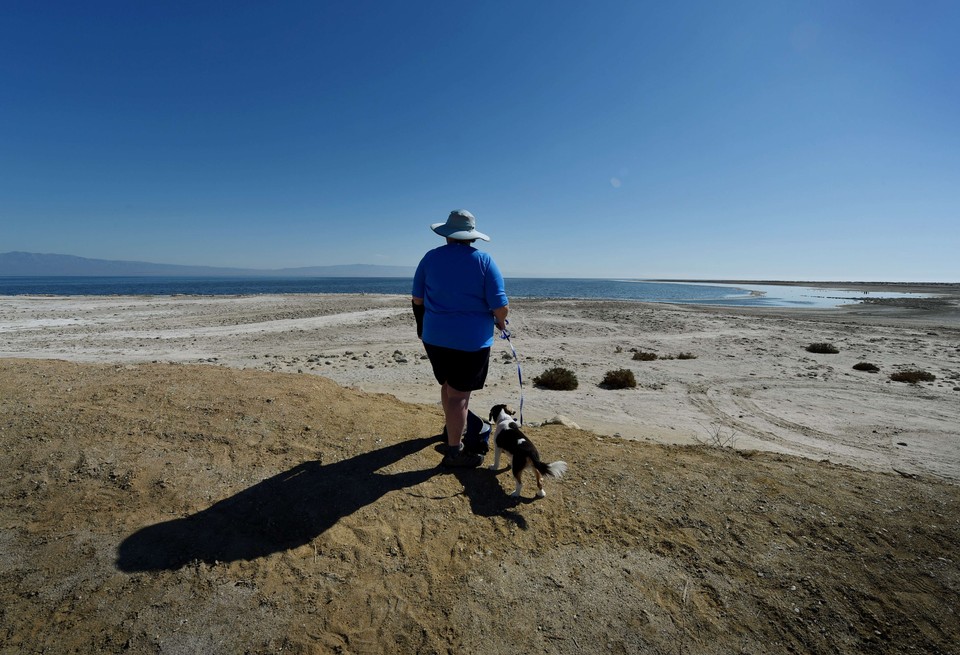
x=283, y=512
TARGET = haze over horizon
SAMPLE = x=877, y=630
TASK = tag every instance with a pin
x=803, y=141
x=38, y=265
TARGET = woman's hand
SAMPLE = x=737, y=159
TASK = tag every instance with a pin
x=500, y=317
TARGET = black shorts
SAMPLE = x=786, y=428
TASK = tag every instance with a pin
x=462, y=370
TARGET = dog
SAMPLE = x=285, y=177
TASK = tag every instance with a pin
x=507, y=436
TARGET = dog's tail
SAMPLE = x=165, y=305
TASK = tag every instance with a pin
x=554, y=470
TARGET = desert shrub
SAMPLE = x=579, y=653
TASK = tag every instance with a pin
x=866, y=366
x=557, y=378
x=669, y=357
x=912, y=376
x=641, y=356
x=823, y=348
x=620, y=379
x=717, y=437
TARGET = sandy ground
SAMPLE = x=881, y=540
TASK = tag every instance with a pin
x=752, y=382
x=199, y=476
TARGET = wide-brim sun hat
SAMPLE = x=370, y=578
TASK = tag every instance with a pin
x=460, y=225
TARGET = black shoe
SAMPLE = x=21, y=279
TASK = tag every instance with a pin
x=460, y=459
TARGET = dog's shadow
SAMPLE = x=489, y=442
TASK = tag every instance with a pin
x=283, y=512
x=486, y=495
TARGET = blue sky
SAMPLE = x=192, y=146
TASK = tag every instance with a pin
x=757, y=140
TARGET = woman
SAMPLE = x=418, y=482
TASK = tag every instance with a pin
x=458, y=298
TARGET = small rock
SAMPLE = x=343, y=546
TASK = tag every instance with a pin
x=560, y=419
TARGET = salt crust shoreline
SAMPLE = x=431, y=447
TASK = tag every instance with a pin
x=752, y=381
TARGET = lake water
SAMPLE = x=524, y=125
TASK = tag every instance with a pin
x=640, y=290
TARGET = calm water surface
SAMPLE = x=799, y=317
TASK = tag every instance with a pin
x=640, y=290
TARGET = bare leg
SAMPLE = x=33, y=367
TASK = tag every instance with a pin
x=455, y=412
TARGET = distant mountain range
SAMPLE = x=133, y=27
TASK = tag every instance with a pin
x=33, y=264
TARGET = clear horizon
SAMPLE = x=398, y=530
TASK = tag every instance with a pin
x=509, y=275
x=699, y=141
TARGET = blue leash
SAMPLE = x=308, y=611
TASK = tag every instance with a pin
x=505, y=334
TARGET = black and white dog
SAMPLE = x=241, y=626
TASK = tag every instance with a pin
x=507, y=436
